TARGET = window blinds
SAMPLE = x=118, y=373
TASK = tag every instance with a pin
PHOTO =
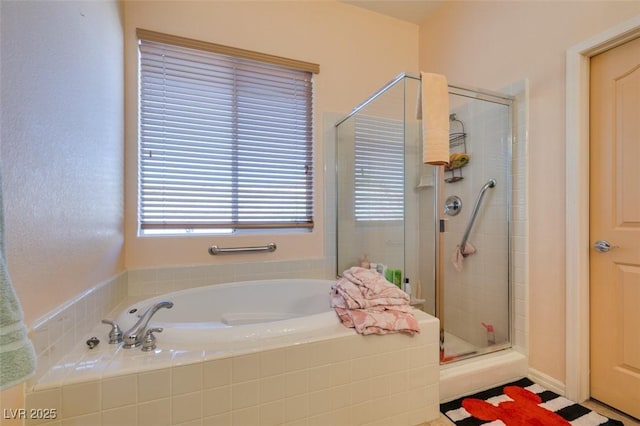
x=379, y=169
x=225, y=141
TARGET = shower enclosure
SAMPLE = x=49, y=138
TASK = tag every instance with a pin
x=445, y=230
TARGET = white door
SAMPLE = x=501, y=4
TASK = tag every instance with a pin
x=615, y=219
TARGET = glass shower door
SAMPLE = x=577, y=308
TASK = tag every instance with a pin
x=475, y=204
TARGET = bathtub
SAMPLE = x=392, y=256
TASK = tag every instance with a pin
x=240, y=311
x=251, y=353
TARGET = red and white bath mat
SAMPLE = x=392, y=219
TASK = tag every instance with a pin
x=521, y=403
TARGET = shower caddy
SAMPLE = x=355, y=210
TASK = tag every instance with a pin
x=457, y=160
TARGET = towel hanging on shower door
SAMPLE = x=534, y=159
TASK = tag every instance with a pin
x=459, y=254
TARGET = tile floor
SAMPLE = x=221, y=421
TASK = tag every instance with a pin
x=591, y=404
x=442, y=421
x=605, y=410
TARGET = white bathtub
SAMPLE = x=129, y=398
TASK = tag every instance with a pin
x=253, y=352
x=240, y=311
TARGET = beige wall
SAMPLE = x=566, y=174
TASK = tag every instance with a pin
x=493, y=44
x=358, y=52
x=62, y=131
x=61, y=151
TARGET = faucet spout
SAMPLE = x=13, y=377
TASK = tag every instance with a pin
x=133, y=337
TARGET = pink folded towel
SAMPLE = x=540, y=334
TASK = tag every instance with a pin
x=362, y=288
x=459, y=255
x=364, y=300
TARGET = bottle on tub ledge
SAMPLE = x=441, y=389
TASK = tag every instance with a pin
x=394, y=276
x=406, y=287
x=414, y=301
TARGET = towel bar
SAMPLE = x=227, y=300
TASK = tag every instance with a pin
x=214, y=249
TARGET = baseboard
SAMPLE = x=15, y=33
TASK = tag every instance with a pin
x=547, y=381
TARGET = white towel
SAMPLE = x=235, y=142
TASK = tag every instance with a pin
x=434, y=110
x=17, y=357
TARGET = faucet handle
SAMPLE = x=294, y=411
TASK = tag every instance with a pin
x=149, y=341
x=115, y=335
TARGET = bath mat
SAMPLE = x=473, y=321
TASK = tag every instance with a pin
x=521, y=403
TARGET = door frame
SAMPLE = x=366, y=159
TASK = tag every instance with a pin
x=577, y=244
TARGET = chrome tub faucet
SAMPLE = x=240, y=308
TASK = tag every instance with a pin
x=134, y=337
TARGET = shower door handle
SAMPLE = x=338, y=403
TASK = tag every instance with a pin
x=603, y=246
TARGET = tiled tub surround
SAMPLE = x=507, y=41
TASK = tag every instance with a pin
x=325, y=374
x=331, y=376
x=54, y=334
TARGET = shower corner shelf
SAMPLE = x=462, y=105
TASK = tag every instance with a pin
x=457, y=139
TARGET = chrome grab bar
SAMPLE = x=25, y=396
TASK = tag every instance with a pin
x=490, y=184
x=214, y=249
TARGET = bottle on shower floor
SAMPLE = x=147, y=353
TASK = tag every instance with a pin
x=491, y=335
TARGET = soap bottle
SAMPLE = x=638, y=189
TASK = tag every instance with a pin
x=388, y=275
x=397, y=278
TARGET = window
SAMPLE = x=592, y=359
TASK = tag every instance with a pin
x=379, y=169
x=225, y=138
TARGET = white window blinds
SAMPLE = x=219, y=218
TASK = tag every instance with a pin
x=225, y=140
x=379, y=169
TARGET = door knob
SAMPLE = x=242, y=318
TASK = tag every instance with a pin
x=603, y=246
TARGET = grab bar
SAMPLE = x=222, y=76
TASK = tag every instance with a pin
x=490, y=184
x=214, y=249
